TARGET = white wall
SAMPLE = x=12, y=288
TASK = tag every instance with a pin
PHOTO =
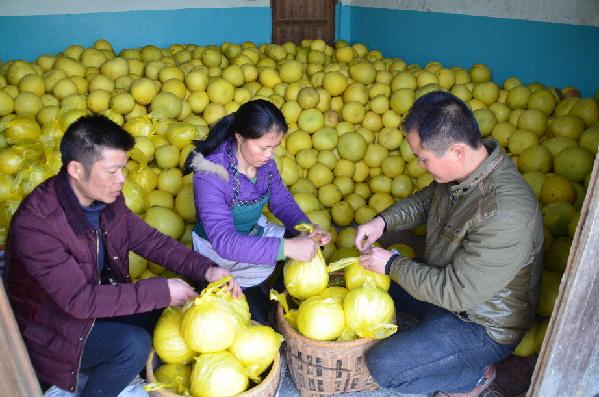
x=50, y=7
x=574, y=12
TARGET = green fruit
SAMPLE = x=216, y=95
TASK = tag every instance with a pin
x=574, y=163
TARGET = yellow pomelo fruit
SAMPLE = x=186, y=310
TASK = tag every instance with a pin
x=535, y=158
x=307, y=202
x=334, y=82
x=344, y=167
x=402, y=100
x=324, y=139
x=342, y=214
x=184, y=203
x=380, y=184
x=291, y=71
x=521, y=140
x=166, y=221
x=462, y=92
x=501, y=110
x=344, y=54
x=557, y=216
x=364, y=214
x=564, y=106
x=550, y=282
x=306, y=158
x=573, y=224
x=298, y=140
x=380, y=104
x=393, y=165
x=557, y=188
x=567, y=126
x=367, y=134
x=307, y=97
x=321, y=218
x=161, y=198
x=320, y=175
x=329, y=194
x=590, y=139
x=479, y=73
x=390, y=138
x=375, y=154
x=170, y=180
x=345, y=252
x=580, y=195
x=303, y=185
x=414, y=169
x=487, y=92
x=363, y=72
x=556, y=256
x=346, y=237
x=403, y=249
x=535, y=180
x=328, y=158
x=362, y=189
x=574, y=163
x=517, y=97
x=331, y=117
x=533, y=120
x=380, y=201
x=372, y=121
x=355, y=200
x=361, y=172
x=586, y=109
x=540, y=334
x=527, y=347
x=404, y=79
x=402, y=186
x=542, y=100
x=557, y=144
x=290, y=172
x=502, y=132
x=486, y=121
x=310, y=120
x=220, y=91
x=353, y=112
x=352, y=146
x=424, y=180
x=356, y=92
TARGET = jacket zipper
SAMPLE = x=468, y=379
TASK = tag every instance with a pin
x=94, y=320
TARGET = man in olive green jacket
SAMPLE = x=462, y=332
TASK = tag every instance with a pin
x=476, y=289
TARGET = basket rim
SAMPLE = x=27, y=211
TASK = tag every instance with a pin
x=289, y=330
x=275, y=371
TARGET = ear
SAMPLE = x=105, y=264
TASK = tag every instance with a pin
x=458, y=150
x=75, y=170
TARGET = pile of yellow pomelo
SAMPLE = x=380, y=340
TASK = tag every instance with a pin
x=345, y=157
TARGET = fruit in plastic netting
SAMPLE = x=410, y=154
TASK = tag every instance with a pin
x=556, y=256
x=586, y=109
x=352, y=146
x=321, y=318
x=556, y=217
x=590, y=139
x=168, y=340
x=218, y=374
x=166, y=221
x=557, y=144
x=567, y=126
x=520, y=140
x=574, y=163
x=535, y=180
x=550, y=282
x=535, y=158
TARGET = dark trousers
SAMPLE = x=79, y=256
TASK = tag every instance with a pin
x=440, y=353
x=115, y=351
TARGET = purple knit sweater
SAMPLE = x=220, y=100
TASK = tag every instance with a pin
x=214, y=183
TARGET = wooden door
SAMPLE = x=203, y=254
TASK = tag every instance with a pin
x=295, y=20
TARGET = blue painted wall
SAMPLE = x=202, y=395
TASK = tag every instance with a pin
x=554, y=54
x=27, y=37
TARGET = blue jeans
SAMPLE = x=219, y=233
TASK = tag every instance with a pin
x=115, y=351
x=440, y=353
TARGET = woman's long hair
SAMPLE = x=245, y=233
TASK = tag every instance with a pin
x=252, y=120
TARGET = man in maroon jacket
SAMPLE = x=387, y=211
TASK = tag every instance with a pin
x=67, y=267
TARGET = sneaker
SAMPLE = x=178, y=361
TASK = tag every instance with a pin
x=482, y=385
x=135, y=388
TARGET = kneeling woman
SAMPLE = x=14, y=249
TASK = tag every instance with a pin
x=235, y=176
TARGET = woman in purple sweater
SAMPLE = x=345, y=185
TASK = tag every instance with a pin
x=235, y=177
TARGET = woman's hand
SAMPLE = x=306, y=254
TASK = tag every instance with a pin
x=375, y=259
x=300, y=248
x=368, y=233
x=321, y=236
x=215, y=273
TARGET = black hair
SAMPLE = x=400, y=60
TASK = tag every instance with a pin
x=442, y=119
x=86, y=138
x=252, y=120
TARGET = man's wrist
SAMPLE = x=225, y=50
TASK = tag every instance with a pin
x=390, y=262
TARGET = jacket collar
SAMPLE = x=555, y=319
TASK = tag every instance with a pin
x=496, y=157
x=71, y=207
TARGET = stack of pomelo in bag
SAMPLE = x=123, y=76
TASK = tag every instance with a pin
x=344, y=158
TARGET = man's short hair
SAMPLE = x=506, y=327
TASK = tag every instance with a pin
x=86, y=138
x=441, y=120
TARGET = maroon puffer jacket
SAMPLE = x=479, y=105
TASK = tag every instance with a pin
x=53, y=283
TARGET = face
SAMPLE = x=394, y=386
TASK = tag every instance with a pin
x=256, y=152
x=444, y=169
x=105, y=181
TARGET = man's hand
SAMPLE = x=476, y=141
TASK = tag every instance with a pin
x=368, y=233
x=300, y=248
x=180, y=291
x=215, y=273
x=319, y=235
x=375, y=259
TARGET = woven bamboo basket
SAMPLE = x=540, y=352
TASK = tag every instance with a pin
x=266, y=388
x=323, y=368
